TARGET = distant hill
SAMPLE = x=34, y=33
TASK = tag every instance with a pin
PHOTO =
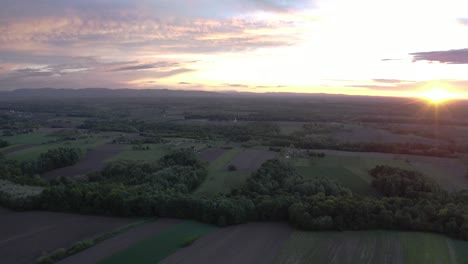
x=162, y=93
x=101, y=93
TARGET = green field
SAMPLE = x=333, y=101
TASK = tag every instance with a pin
x=37, y=137
x=444, y=174
x=371, y=247
x=219, y=179
x=158, y=247
x=35, y=151
x=155, y=152
x=330, y=168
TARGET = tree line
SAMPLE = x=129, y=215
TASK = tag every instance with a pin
x=275, y=192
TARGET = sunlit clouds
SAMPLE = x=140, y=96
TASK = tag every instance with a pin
x=323, y=46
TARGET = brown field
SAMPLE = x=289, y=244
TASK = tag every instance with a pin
x=113, y=245
x=254, y=243
x=93, y=161
x=211, y=154
x=25, y=236
x=251, y=159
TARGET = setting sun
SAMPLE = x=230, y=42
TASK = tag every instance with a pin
x=438, y=95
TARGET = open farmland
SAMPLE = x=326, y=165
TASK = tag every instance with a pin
x=358, y=184
x=94, y=160
x=35, y=151
x=450, y=173
x=361, y=133
x=161, y=245
x=128, y=152
x=120, y=242
x=34, y=138
x=253, y=243
x=24, y=236
x=219, y=179
x=371, y=247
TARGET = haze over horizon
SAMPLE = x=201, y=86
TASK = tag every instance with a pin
x=361, y=47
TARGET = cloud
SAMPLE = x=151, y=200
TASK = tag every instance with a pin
x=236, y=85
x=82, y=72
x=148, y=66
x=456, y=56
x=463, y=21
x=148, y=8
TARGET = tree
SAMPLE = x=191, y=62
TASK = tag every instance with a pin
x=4, y=143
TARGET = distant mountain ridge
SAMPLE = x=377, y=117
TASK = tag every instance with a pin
x=45, y=93
x=103, y=92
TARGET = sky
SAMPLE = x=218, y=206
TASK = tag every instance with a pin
x=364, y=47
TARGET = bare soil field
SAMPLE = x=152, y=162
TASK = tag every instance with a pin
x=93, y=161
x=25, y=236
x=211, y=154
x=254, y=243
x=251, y=159
x=113, y=245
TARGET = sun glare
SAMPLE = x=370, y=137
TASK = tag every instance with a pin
x=438, y=95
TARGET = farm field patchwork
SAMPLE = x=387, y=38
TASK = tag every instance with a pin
x=25, y=236
x=154, y=249
x=34, y=151
x=252, y=243
x=450, y=173
x=340, y=174
x=120, y=242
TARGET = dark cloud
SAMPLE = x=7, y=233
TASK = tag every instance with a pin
x=184, y=83
x=148, y=66
x=456, y=56
x=236, y=85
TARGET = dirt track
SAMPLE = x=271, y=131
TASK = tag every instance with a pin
x=120, y=242
x=25, y=236
x=93, y=161
x=254, y=243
